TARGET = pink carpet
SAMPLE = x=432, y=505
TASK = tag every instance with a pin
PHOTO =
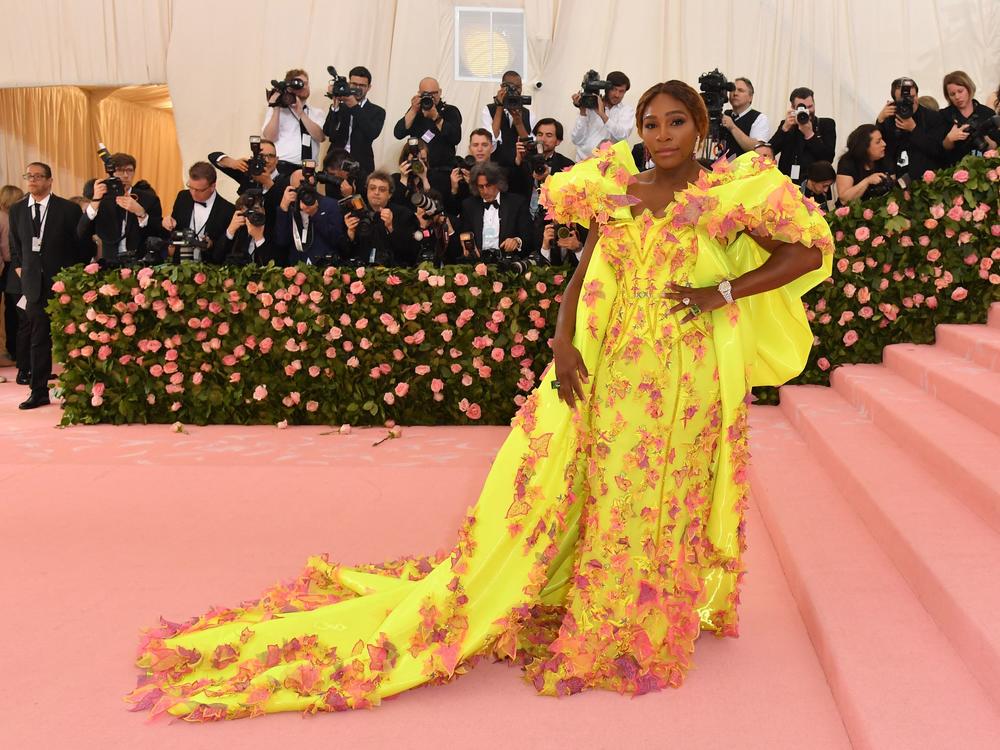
x=869, y=620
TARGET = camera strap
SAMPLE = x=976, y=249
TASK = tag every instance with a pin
x=306, y=136
x=302, y=239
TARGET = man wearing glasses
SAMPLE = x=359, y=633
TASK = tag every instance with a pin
x=122, y=223
x=201, y=209
x=354, y=123
x=437, y=124
x=43, y=241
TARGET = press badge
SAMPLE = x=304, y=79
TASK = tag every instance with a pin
x=307, y=139
x=36, y=244
x=428, y=136
x=795, y=172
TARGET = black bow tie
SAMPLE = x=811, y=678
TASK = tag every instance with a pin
x=494, y=204
x=202, y=203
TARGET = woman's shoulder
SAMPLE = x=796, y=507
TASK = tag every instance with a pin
x=595, y=189
x=847, y=166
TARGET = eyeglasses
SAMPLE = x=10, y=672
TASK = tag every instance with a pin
x=34, y=176
x=125, y=170
x=269, y=156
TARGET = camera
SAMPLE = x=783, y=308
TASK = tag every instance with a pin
x=534, y=154
x=714, y=88
x=185, y=246
x=904, y=105
x=467, y=241
x=591, y=86
x=287, y=89
x=253, y=207
x=980, y=128
x=116, y=188
x=255, y=164
x=563, y=231
x=354, y=205
x=155, y=249
x=517, y=265
x=339, y=86
x=426, y=102
x=306, y=191
x=513, y=98
x=802, y=115
x=465, y=162
x=413, y=157
x=431, y=206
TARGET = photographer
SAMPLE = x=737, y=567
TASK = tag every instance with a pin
x=968, y=122
x=609, y=118
x=310, y=225
x=122, y=216
x=341, y=176
x=415, y=176
x=435, y=123
x=259, y=172
x=379, y=234
x=562, y=245
x=537, y=158
x=244, y=241
x=864, y=172
x=507, y=118
x=353, y=123
x=497, y=220
x=803, y=138
x=743, y=127
x=295, y=128
x=818, y=183
x=913, y=134
x=480, y=150
x=201, y=210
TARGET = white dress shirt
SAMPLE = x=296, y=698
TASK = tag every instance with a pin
x=487, y=121
x=122, y=249
x=200, y=214
x=288, y=144
x=590, y=129
x=491, y=227
x=761, y=128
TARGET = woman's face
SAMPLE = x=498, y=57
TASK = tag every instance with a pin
x=958, y=95
x=876, y=146
x=668, y=131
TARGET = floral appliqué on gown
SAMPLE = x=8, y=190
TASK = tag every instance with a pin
x=605, y=538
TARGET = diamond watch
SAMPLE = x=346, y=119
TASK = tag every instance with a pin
x=726, y=290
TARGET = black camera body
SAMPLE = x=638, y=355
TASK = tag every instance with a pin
x=417, y=167
x=465, y=162
x=905, y=106
x=253, y=207
x=590, y=88
x=427, y=103
x=116, y=188
x=980, y=128
x=186, y=247
x=714, y=88
x=339, y=86
x=287, y=89
x=256, y=165
x=534, y=154
x=355, y=205
x=802, y=115
x=306, y=193
x=513, y=98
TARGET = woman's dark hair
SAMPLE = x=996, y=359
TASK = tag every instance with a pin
x=334, y=158
x=858, y=142
x=549, y=121
x=820, y=171
x=617, y=78
x=683, y=93
x=404, y=153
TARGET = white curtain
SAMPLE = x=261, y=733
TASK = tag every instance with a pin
x=217, y=57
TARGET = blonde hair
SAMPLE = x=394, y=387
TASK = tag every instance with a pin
x=9, y=195
x=958, y=78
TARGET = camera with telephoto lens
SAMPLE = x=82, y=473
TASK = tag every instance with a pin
x=513, y=98
x=802, y=115
x=591, y=86
x=306, y=193
x=185, y=246
x=287, y=89
x=534, y=154
x=980, y=128
x=413, y=157
x=431, y=206
x=255, y=164
x=714, y=88
x=116, y=188
x=354, y=205
x=905, y=104
x=253, y=207
x=519, y=265
x=339, y=86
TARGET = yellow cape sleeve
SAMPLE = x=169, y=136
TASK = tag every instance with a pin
x=592, y=190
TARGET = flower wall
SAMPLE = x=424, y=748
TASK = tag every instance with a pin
x=463, y=345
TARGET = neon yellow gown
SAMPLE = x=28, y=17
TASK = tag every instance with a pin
x=605, y=539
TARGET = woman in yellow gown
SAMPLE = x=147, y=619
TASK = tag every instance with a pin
x=609, y=531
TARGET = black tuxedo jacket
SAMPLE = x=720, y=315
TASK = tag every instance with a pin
x=61, y=247
x=368, y=122
x=261, y=256
x=107, y=225
x=515, y=220
x=272, y=198
x=218, y=219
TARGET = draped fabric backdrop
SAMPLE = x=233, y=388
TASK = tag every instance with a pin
x=218, y=57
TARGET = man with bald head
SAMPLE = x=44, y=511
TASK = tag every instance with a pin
x=437, y=124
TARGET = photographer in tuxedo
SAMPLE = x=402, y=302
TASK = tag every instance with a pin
x=437, y=124
x=43, y=241
x=497, y=220
x=507, y=118
x=265, y=178
x=200, y=208
x=122, y=223
x=295, y=128
x=379, y=234
x=245, y=241
x=353, y=123
x=310, y=226
x=803, y=138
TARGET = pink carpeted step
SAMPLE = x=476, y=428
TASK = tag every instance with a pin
x=876, y=642
x=931, y=432
x=947, y=553
x=993, y=318
x=979, y=343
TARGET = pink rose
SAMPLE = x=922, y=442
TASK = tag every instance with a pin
x=932, y=303
x=892, y=208
x=928, y=176
x=402, y=389
x=449, y=298
x=823, y=363
x=851, y=338
x=437, y=385
x=461, y=279
x=959, y=294
x=497, y=354
x=868, y=214
x=474, y=411
x=937, y=211
x=312, y=405
x=357, y=288
x=389, y=398
x=842, y=211
x=421, y=369
x=933, y=254
x=235, y=377
x=260, y=393
x=960, y=175
x=93, y=268
x=955, y=213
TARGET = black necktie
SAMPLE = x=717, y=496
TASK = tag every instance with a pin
x=36, y=221
x=494, y=204
x=202, y=203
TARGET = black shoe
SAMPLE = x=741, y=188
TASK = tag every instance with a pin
x=34, y=401
x=23, y=377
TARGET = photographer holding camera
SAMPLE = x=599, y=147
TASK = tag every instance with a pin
x=379, y=234
x=257, y=172
x=295, y=128
x=803, y=138
x=480, y=150
x=864, y=172
x=601, y=116
x=430, y=120
x=310, y=226
x=120, y=214
x=353, y=123
x=200, y=214
x=415, y=176
x=743, y=126
x=971, y=127
x=245, y=241
x=913, y=134
x=498, y=221
x=507, y=118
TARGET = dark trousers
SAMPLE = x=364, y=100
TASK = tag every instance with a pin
x=9, y=313
x=40, y=338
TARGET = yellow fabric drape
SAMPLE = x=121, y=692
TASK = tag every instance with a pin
x=61, y=126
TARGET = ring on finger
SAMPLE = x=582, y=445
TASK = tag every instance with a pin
x=556, y=384
x=686, y=300
x=695, y=310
